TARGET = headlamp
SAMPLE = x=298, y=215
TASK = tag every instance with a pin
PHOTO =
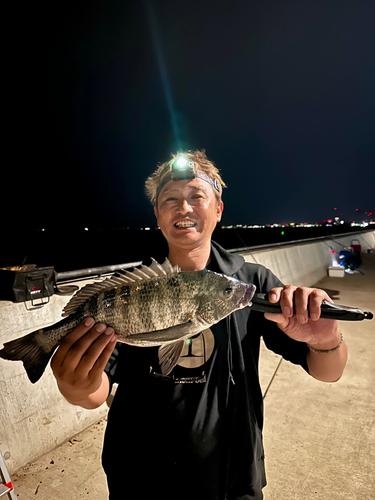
x=180, y=169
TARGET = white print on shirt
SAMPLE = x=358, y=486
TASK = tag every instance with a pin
x=197, y=350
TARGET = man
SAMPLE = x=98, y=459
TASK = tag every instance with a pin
x=196, y=433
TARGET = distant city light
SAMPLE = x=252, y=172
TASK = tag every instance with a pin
x=337, y=220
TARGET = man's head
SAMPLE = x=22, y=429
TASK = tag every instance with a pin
x=187, y=205
x=201, y=165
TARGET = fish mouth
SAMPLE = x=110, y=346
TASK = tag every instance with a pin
x=246, y=299
x=185, y=224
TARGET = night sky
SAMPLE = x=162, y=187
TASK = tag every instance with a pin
x=279, y=93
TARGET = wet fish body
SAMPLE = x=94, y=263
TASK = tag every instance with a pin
x=155, y=305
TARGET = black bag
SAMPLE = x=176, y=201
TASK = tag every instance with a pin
x=32, y=283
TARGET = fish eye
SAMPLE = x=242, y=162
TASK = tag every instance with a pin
x=228, y=292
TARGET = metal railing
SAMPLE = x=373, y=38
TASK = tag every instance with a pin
x=94, y=271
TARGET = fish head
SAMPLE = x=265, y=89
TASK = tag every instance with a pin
x=223, y=295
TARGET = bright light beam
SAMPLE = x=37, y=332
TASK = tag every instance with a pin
x=163, y=70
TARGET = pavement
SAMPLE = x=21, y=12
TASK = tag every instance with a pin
x=319, y=438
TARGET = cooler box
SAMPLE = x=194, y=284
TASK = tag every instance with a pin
x=355, y=246
x=336, y=272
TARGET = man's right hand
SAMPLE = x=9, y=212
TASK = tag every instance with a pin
x=79, y=364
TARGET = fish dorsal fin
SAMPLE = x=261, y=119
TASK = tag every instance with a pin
x=163, y=269
x=148, y=271
x=120, y=278
x=131, y=275
x=167, y=266
x=140, y=274
x=157, y=268
x=169, y=269
x=89, y=290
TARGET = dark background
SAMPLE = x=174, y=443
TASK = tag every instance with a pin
x=279, y=93
x=73, y=248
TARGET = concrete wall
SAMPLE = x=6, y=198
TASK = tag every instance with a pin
x=36, y=418
x=306, y=263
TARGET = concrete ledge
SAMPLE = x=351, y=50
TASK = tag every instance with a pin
x=305, y=264
x=34, y=418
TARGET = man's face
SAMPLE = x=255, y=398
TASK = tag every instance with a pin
x=187, y=212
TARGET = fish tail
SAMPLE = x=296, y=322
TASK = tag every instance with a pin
x=28, y=350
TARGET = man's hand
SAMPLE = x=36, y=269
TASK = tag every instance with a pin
x=79, y=363
x=319, y=333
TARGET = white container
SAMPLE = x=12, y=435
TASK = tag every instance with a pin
x=336, y=272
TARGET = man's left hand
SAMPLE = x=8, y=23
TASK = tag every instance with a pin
x=305, y=325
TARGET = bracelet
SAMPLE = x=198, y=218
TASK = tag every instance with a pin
x=325, y=351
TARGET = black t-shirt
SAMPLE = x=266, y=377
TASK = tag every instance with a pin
x=195, y=434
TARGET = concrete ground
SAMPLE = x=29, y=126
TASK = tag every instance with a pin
x=319, y=438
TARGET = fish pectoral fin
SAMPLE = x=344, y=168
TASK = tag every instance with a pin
x=170, y=334
x=169, y=355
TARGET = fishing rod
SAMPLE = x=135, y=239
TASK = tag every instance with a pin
x=328, y=310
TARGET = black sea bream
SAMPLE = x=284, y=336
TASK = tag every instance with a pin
x=155, y=305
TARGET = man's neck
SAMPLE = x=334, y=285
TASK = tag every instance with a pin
x=190, y=260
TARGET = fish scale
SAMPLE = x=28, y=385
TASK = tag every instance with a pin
x=151, y=306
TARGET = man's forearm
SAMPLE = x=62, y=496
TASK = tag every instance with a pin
x=327, y=366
